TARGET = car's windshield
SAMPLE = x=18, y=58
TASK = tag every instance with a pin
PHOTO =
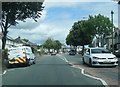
x=100, y=51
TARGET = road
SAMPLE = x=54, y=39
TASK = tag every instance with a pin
x=49, y=70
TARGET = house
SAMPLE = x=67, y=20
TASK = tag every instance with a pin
x=117, y=39
x=9, y=42
x=19, y=41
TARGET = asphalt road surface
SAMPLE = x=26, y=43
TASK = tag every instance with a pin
x=48, y=70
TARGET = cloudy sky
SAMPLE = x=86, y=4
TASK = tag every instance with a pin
x=58, y=17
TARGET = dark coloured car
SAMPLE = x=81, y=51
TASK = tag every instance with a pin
x=117, y=53
x=72, y=52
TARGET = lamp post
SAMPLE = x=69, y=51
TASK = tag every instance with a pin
x=112, y=31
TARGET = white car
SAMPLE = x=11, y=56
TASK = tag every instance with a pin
x=99, y=57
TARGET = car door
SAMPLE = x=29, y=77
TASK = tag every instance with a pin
x=87, y=55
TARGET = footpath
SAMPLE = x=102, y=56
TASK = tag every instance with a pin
x=109, y=74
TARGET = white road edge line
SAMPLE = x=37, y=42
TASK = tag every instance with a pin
x=4, y=72
x=82, y=71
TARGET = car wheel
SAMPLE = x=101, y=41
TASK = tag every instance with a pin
x=33, y=62
x=83, y=60
x=90, y=62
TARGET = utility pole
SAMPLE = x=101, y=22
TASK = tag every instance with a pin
x=112, y=31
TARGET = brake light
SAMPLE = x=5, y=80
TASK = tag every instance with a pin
x=24, y=57
x=24, y=52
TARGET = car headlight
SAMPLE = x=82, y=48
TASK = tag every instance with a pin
x=95, y=58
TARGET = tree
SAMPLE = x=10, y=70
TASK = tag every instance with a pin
x=80, y=34
x=101, y=25
x=12, y=12
x=57, y=45
x=48, y=44
x=52, y=44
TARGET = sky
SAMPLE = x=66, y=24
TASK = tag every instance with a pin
x=59, y=16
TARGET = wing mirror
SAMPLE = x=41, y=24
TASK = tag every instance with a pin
x=87, y=53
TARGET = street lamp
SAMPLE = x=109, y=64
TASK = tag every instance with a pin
x=112, y=31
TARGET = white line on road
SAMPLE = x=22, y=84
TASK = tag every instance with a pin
x=82, y=71
x=3, y=73
x=63, y=58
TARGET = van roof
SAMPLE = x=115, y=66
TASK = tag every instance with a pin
x=19, y=47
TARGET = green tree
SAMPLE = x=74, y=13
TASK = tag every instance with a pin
x=57, y=45
x=12, y=12
x=52, y=44
x=101, y=25
x=49, y=44
x=80, y=34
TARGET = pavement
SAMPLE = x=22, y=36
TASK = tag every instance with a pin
x=109, y=74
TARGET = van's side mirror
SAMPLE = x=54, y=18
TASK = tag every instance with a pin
x=87, y=53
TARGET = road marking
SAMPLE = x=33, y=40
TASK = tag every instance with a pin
x=82, y=71
x=63, y=58
x=3, y=73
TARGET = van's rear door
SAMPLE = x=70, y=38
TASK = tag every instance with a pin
x=15, y=52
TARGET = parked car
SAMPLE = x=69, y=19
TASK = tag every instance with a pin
x=53, y=53
x=72, y=52
x=99, y=57
x=20, y=55
x=117, y=53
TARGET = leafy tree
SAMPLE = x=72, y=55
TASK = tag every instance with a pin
x=101, y=25
x=12, y=12
x=52, y=44
x=48, y=44
x=57, y=45
x=70, y=38
x=80, y=34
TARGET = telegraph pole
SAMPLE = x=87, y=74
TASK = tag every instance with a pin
x=112, y=31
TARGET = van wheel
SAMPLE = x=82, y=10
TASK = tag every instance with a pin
x=33, y=62
x=90, y=62
x=28, y=63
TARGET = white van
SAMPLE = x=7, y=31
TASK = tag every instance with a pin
x=21, y=55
